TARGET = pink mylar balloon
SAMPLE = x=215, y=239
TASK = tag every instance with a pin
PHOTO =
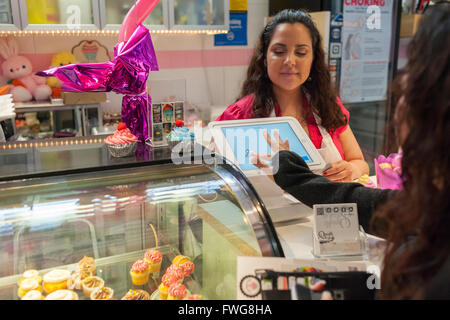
x=133, y=19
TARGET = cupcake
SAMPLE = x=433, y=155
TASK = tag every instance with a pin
x=90, y=284
x=136, y=295
x=103, y=293
x=180, y=259
x=27, y=285
x=167, y=280
x=188, y=268
x=154, y=258
x=62, y=295
x=74, y=282
x=33, y=295
x=30, y=274
x=194, y=297
x=177, y=291
x=122, y=143
x=56, y=280
x=87, y=267
x=180, y=134
x=177, y=271
x=139, y=272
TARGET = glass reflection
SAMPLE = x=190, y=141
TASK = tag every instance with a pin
x=199, y=12
x=60, y=12
x=117, y=9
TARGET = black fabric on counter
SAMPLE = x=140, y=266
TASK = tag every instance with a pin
x=294, y=177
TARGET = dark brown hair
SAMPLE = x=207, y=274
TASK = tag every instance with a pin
x=391, y=143
x=323, y=98
x=418, y=217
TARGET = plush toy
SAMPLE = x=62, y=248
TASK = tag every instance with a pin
x=25, y=84
x=60, y=59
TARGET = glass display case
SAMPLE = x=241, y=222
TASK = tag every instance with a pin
x=38, y=120
x=116, y=209
x=113, y=12
x=199, y=14
x=9, y=15
x=60, y=14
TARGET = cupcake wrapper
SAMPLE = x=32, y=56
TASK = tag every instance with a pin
x=122, y=150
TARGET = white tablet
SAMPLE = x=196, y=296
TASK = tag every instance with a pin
x=236, y=139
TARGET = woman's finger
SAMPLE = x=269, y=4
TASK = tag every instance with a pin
x=339, y=177
x=335, y=168
x=268, y=138
x=257, y=162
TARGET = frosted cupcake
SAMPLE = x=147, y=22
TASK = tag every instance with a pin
x=122, y=143
x=90, y=284
x=180, y=134
x=56, y=280
x=154, y=258
x=103, y=293
x=87, y=266
x=27, y=285
x=33, y=295
x=137, y=295
x=177, y=271
x=180, y=259
x=188, y=268
x=30, y=274
x=177, y=291
x=139, y=272
x=62, y=295
x=166, y=281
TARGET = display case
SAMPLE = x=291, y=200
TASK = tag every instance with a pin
x=60, y=14
x=113, y=210
x=38, y=120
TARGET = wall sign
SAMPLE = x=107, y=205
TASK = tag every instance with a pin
x=237, y=35
x=366, y=38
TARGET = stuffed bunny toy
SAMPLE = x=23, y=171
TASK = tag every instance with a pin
x=25, y=84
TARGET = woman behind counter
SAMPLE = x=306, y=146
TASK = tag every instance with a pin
x=288, y=76
x=414, y=220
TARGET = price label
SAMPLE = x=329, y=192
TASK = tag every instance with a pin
x=336, y=229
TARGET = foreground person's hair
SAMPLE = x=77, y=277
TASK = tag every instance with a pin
x=418, y=217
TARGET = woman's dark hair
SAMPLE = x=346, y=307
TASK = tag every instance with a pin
x=418, y=217
x=323, y=98
x=391, y=143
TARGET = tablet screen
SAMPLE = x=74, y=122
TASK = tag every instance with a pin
x=244, y=139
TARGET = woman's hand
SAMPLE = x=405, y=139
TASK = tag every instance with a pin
x=276, y=145
x=341, y=171
x=260, y=160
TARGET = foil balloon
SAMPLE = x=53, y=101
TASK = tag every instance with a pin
x=136, y=16
x=126, y=74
